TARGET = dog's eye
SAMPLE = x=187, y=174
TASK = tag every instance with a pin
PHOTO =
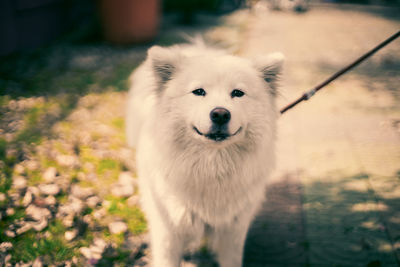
x=237, y=93
x=199, y=91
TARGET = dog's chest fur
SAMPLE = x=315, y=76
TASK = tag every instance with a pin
x=215, y=184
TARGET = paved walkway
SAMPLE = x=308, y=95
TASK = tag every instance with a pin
x=336, y=198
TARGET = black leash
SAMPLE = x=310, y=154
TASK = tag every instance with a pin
x=307, y=95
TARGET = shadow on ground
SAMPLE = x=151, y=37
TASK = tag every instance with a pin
x=338, y=223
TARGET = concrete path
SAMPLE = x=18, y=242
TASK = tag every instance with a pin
x=336, y=198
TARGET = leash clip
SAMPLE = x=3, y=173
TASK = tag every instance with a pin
x=309, y=94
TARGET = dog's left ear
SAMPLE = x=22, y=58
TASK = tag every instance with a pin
x=271, y=68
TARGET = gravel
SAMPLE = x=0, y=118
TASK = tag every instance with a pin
x=58, y=178
x=50, y=174
x=49, y=189
x=19, y=182
x=70, y=235
x=27, y=199
x=117, y=227
x=81, y=192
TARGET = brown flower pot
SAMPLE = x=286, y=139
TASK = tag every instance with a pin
x=130, y=21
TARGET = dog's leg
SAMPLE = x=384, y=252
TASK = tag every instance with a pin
x=228, y=245
x=227, y=240
x=166, y=241
x=166, y=246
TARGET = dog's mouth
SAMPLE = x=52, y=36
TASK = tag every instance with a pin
x=218, y=135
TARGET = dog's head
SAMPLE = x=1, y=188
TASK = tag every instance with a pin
x=213, y=97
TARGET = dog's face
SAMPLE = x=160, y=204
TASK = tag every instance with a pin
x=216, y=98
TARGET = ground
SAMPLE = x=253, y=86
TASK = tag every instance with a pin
x=334, y=199
x=337, y=195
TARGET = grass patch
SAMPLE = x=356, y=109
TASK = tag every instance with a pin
x=120, y=256
x=30, y=136
x=119, y=139
x=53, y=248
x=19, y=214
x=34, y=129
x=60, y=85
x=133, y=216
x=118, y=79
x=5, y=222
x=49, y=74
x=5, y=167
x=32, y=116
x=62, y=198
x=4, y=99
x=3, y=146
x=60, y=148
x=65, y=126
x=108, y=165
x=118, y=123
x=106, y=169
x=34, y=177
x=77, y=81
x=86, y=155
x=114, y=238
x=5, y=182
x=46, y=163
x=87, y=211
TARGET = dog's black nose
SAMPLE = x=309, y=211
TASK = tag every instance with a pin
x=220, y=116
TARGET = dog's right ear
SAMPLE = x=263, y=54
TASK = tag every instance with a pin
x=163, y=61
x=271, y=68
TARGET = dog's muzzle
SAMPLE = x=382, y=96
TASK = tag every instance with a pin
x=220, y=118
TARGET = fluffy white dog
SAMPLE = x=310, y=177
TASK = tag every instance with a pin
x=203, y=124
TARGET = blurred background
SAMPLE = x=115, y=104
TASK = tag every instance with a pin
x=68, y=190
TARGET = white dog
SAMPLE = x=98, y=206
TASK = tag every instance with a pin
x=203, y=123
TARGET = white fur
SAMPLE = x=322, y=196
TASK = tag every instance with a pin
x=187, y=181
